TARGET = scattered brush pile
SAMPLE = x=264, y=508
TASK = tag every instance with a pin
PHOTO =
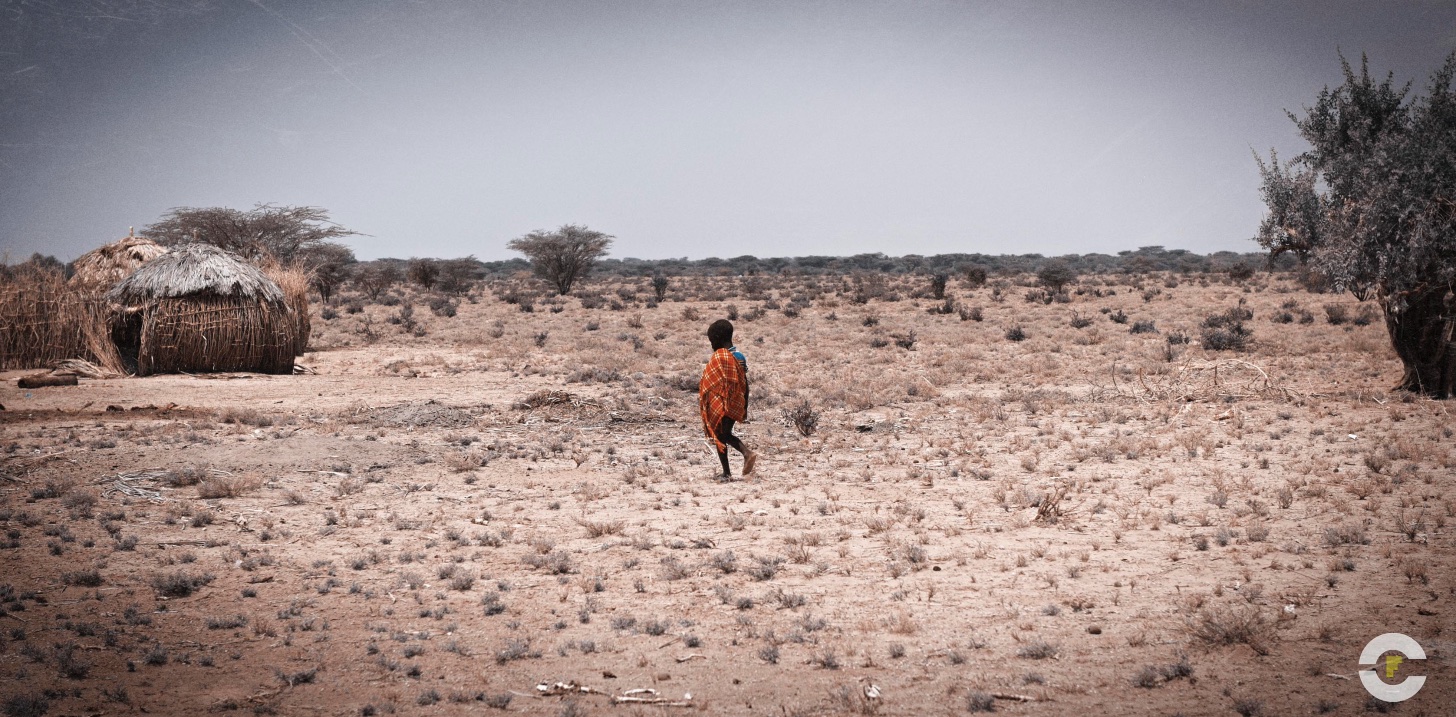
x=427, y=414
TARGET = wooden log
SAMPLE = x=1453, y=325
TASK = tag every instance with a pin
x=41, y=380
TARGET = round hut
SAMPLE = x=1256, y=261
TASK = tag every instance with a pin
x=200, y=308
x=100, y=268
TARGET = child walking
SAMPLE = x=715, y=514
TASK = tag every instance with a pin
x=723, y=396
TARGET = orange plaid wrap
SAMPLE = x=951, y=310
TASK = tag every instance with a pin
x=722, y=393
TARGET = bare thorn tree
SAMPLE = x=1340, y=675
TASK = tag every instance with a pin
x=563, y=256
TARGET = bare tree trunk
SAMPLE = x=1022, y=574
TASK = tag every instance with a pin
x=1422, y=337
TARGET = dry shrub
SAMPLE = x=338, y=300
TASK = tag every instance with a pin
x=1233, y=625
x=1038, y=650
x=467, y=460
x=245, y=416
x=597, y=529
x=902, y=623
x=179, y=584
x=803, y=417
x=1226, y=331
x=1346, y=534
x=181, y=477
x=227, y=486
x=1049, y=509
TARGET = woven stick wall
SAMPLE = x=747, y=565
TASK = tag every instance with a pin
x=39, y=320
x=203, y=334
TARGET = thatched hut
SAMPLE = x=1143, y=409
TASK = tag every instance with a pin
x=101, y=268
x=200, y=308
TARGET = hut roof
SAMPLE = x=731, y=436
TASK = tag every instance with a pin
x=196, y=270
x=103, y=266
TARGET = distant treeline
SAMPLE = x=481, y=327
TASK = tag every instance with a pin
x=454, y=273
x=1146, y=259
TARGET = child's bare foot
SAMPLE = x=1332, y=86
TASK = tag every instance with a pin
x=749, y=459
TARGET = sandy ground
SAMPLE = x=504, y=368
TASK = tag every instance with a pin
x=1089, y=521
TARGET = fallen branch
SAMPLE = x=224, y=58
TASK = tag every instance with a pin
x=1014, y=698
x=648, y=696
x=659, y=701
x=42, y=380
x=37, y=459
x=551, y=689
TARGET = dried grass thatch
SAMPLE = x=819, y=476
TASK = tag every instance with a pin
x=195, y=270
x=294, y=280
x=200, y=308
x=102, y=267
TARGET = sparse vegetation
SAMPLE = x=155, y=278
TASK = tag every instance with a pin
x=1077, y=493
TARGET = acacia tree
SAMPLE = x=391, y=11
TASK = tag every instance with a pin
x=563, y=256
x=332, y=265
x=1055, y=275
x=284, y=233
x=1372, y=206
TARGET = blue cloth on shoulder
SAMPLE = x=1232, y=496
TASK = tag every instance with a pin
x=742, y=361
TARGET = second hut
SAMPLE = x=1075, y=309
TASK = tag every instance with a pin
x=199, y=308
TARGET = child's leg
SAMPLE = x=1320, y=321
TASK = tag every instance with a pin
x=725, y=435
x=723, y=458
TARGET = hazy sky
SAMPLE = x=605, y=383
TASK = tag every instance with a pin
x=446, y=128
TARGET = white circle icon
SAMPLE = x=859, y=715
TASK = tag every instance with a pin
x=1391, y=642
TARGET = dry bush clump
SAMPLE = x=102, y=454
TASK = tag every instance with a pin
x=1223, y=625
x=245, y=416
x=189, y=475
x=802, y=417
x=179, y=584
x=1226, y=331
x=227, y=486
x=600, y=528
x=468, y=460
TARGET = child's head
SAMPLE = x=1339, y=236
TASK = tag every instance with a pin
x=720, y=334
